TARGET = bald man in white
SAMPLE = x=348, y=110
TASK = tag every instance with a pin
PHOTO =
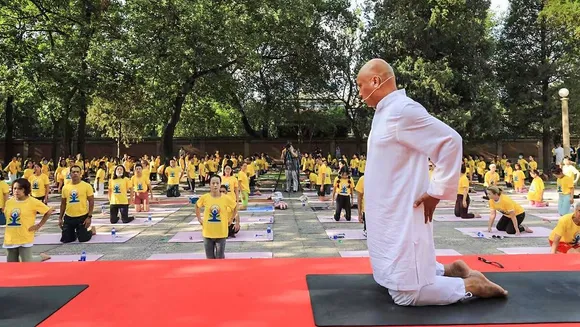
x=400, y=198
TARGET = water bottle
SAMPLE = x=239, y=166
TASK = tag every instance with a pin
x=113, y=234
x=83, y=256
x=103, y=209
x=480, y=234
x=269, y=229
x=149, y=218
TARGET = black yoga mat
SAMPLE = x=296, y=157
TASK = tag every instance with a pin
x=534, y=297
x=29, y=306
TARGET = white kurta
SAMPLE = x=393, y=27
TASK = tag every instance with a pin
x=402, y=138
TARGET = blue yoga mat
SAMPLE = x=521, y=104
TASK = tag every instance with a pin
x=260, y=208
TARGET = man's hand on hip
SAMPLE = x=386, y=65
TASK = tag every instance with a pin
x=429, y=203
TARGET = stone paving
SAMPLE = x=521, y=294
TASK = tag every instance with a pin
x=297, y=233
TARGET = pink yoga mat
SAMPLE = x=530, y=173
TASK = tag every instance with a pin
x=242, y=236
x=365, y=253
x=526, y=250
x=262, y=196
x=64, y=258
x=472, y=231
x=247, y=220
x=54, y=238
x=452, y=218
x=139, y=221
x=349, y=234
x=330, y=218
x=195, y=256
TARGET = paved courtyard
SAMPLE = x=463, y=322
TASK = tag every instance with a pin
x=297, y=232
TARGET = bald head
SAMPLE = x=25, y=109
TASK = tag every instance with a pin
x=375, y=81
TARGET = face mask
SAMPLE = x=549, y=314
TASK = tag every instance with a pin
x=521, y=157
x=119, y=174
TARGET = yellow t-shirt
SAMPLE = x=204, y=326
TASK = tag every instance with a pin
x=344, y=186
x=463, y=183
x=533, y=165
x=569, y=232
x=519, y=178
x=27, y=173
x=251, y=171
x=313, y=178
x=118, y=188
x=231, y=183
x=12, y=167
x=45, y=169
x=361, y=165
x=565, y=184
x=491, y=179
x=327, y=177
x=244, y=181
x=505, y=205
x=140, y=184
x=76, y=196
x=38, y=185
x=173, y=175
x=481, y=167
x=4, y=190
x=202, y=169
x=523, y=164
x=536, y=189
x=191, y=171
x=360, y=188
x=20, y=216
x=508, y=174
x=217, y=214
x=321, y=170
x=100, y=175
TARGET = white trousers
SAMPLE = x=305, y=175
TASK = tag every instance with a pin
x=12, y=177
x=444, y=291
x=101, y=187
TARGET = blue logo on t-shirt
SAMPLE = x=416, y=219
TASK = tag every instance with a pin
x=117, y=189
x=139, y=187
x=14, y=218
x=576, y=239
x=74, y=197
x=214, y=213
x=35, y=185
x=227, y=185
x=171, y=174
x=343, y=189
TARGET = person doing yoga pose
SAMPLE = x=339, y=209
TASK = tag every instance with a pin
x=512, y=213
x=463, y=200
x=565, y=238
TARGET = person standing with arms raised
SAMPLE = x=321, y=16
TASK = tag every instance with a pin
x=399, y=205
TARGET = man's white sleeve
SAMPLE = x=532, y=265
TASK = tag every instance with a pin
x=420, y=131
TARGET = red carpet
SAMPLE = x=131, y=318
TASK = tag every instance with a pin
x=244, y=293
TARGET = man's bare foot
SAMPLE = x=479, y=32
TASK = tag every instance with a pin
x=478, y=285
x=457, y=269
x=477, y=215
x=93, y=230
x=527, y=229
x=44, y=257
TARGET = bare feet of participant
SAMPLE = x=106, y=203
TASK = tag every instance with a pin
x=477, y=215
x=93, y=230
x=478, y=285
x=527, y=229
x=457, y=269
x=44, y=257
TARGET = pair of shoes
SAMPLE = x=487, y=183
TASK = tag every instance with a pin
x=365, y=233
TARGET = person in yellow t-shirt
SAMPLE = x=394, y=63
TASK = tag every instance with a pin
x=21, y=211
x=4, y=195
x=142, y=188
x=362, y=165
x=40, y=184
x=462, y=202
x=508, y=174
x=45, y=168
x=191, y=175
x=100, y=177
x=343, y=193
x=174, y=175
x=231, y=183
x=244, y=183
x=512, y=213
x=76, y=209
x=29, y=170
x=536, y=192
x=565, y=186
x=119, y=185
x=311, y=181
x=321, y=178
x=12, y=169
x=565, y=237
x=360, y=191
x=519, y=179
x=202, y=172
x=219, y=211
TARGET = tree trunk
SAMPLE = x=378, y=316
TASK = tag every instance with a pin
x=9, y=136
x=119, y=141
x=547, y=148
x=55, y=135
x=68, y=132
x=82, y=126
x=169, y=129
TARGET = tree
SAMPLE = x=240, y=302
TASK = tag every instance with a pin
x=440, y=51
x=563, y=13
x=533, y=61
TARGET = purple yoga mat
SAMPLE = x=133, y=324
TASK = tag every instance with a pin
x=349, y=234
x=548, y=216
x=54, y=238
x=138, y=221
x=65, y=258
x=192, y=256
x=452, y=218
x=542, y=232
x=242, y=236
x=247, y=220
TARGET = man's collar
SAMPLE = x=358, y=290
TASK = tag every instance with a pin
x=390, y=98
